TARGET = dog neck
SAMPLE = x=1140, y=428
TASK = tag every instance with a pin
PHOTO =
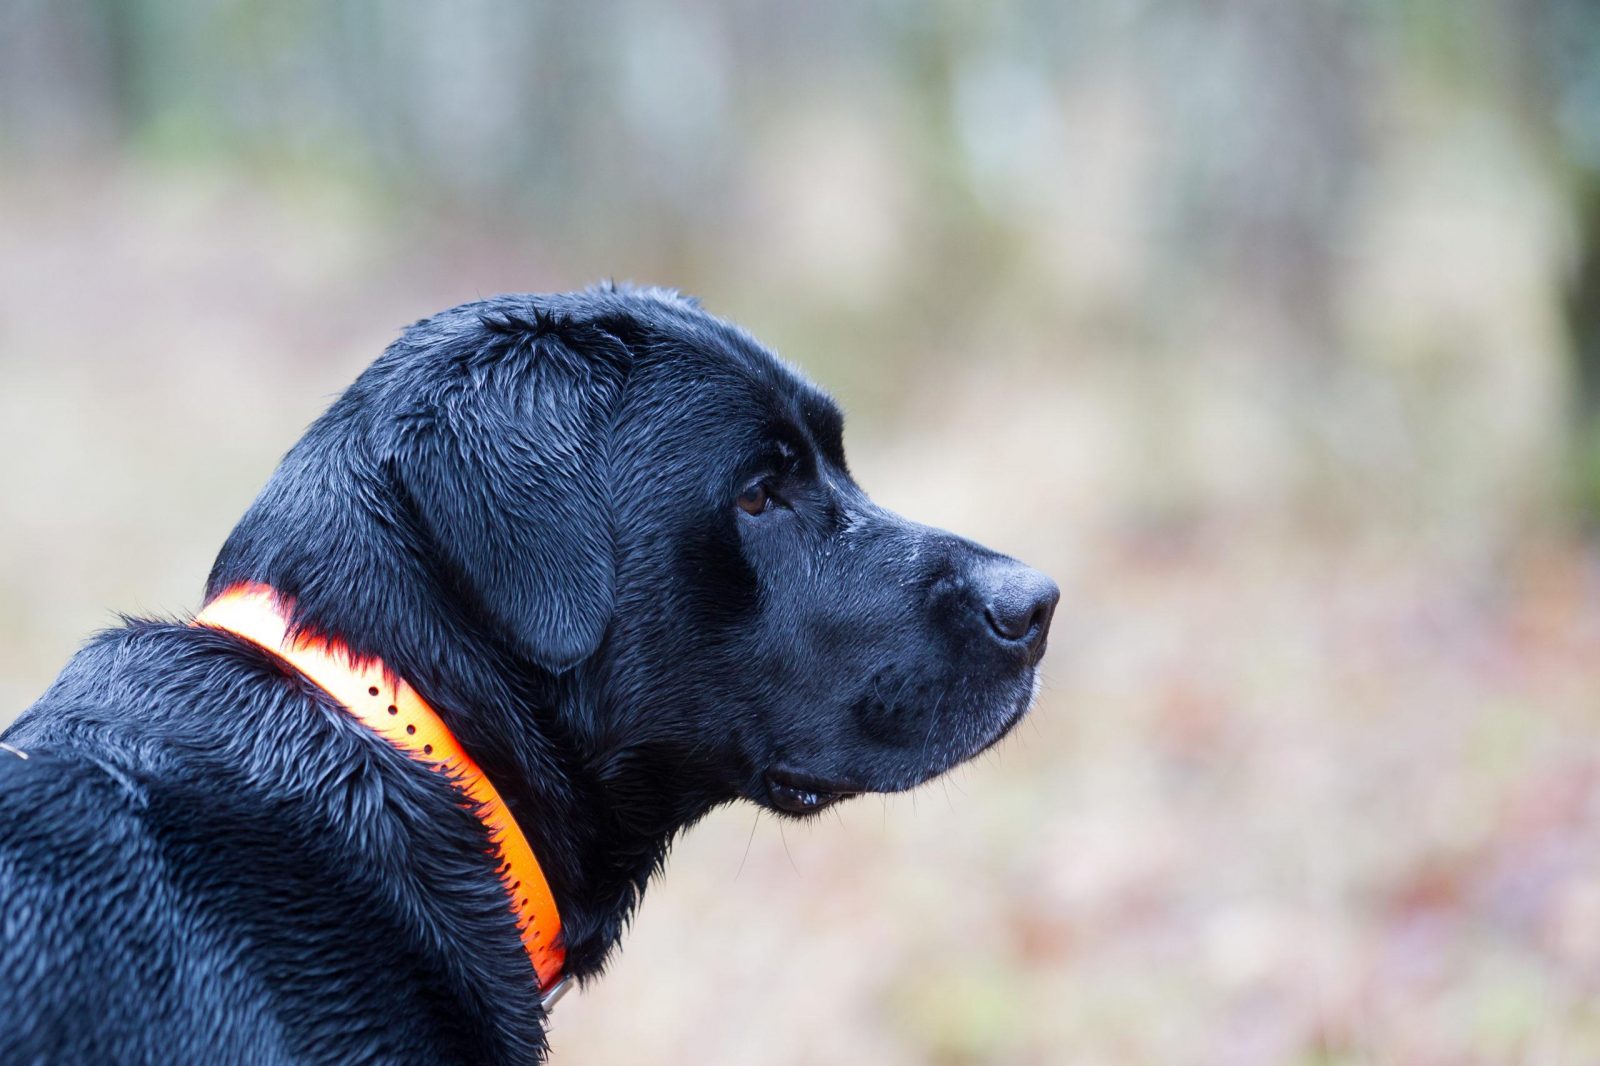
x=391, y=708
x=598, y=835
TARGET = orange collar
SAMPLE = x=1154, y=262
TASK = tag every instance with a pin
x=395, y=711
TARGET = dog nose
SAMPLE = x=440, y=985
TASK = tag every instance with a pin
x=1019, y=603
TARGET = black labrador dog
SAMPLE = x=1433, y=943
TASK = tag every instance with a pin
x=613, y=542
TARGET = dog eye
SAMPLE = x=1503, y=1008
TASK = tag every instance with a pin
x=755, y=499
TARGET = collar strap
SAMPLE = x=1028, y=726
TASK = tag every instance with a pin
x=391, y=708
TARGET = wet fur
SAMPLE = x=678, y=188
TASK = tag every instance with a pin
x=523, y=507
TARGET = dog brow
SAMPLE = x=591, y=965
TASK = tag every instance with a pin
x=825, y=422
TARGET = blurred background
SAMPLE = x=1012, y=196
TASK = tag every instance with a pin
x=1272, y=330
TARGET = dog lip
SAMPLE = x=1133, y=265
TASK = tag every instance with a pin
x=802, y=793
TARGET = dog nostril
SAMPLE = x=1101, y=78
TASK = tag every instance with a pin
x=1008, y=627
x=1020, y=607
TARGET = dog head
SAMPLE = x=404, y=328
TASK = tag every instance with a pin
x=655, y=509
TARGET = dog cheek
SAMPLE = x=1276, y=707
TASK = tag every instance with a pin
x=719, y=585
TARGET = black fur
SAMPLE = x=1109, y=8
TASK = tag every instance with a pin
x=529, y=508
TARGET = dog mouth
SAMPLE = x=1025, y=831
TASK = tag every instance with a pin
x=794, y=792
x=803, y=794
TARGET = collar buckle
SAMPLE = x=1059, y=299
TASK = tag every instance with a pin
x=552, y=995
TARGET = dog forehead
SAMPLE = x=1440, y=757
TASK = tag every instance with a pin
x=712, y=364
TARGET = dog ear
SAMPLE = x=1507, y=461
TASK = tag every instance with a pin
x=505, y=462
